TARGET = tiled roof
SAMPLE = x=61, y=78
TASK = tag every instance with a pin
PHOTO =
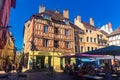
x=89, y=26
x=104, y=32
x=117, y=31
x=53, y=15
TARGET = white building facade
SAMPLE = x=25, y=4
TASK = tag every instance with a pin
x=107, y=28
x=114, y=37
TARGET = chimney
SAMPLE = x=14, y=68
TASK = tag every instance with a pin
x=79, y=18
x=109, y=25
x=41, y=8
x=75, y=20
x=91, y=21
x=56, y=11
x=66, y=13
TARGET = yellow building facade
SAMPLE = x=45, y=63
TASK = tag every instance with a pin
x=8, y=51
x=102, y=38
x=92, y=38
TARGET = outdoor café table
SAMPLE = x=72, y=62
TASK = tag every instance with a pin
x=115, y=76
x=89, y=77
x=101, y=74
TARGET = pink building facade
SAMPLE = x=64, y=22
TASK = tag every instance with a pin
x=5, y=6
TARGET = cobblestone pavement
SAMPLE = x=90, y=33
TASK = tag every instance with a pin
x=47, y=76
x=44, y=75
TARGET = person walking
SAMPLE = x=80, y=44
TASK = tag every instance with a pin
x=10, y=67
x=107, y=71
x=19, y=70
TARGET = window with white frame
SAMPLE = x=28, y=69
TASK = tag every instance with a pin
x=82, y=49
x=86, y=31
x=90, y=31
x=88, y=48
x=81, y=39
x=91, y=48
x=95, y=40
x=90, y=39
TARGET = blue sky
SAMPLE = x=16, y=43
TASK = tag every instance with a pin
x=102, y=11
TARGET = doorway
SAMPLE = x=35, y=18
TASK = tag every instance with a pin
x=41, y=61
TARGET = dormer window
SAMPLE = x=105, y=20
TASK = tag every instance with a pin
x=66, y=22
x=46, y=16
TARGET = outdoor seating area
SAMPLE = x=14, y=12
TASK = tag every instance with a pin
x=90, y=72
x=107, y=70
